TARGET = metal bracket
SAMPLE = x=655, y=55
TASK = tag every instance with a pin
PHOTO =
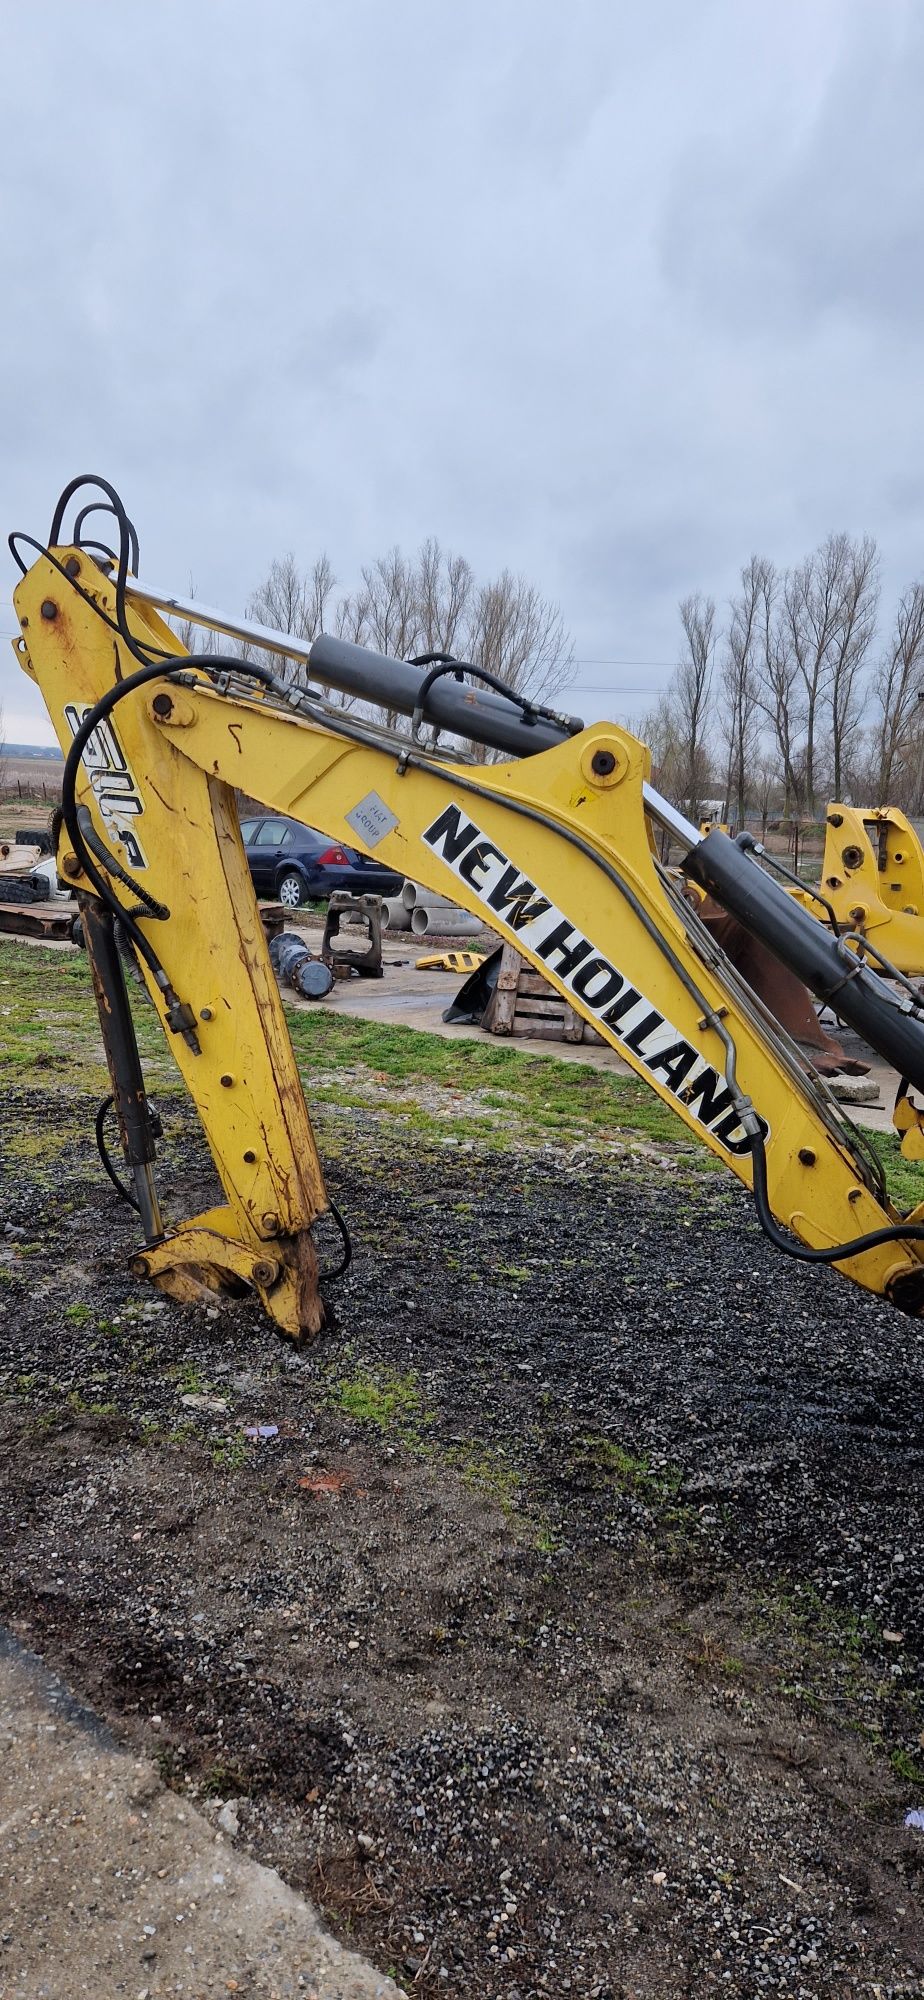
x=366, y=913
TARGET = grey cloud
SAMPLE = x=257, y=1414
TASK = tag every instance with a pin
x=818, y=218
x=610, y=296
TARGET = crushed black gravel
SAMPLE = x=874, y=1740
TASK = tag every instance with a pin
x=590, y=1678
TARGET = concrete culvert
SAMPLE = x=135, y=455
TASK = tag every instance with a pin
x=412, y=896
x=446, y=920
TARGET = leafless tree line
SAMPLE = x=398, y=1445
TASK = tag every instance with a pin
x=796, y=699
x=429, y=603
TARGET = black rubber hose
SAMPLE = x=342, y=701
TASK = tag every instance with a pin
x=902, y=1232
x=148, y=905
x=339, y=1271
x=154, y=670
x=107, y=507
x=103, y=1150
x=531, y=711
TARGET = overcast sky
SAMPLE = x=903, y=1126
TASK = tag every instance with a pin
x=610, y=294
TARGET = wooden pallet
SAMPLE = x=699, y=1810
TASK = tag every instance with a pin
x=523, y=1003
x=43, y=920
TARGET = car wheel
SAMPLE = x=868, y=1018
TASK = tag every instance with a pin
x=291, y=890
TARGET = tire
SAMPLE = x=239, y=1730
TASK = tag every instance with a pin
x=19, y=889
x=291, y=891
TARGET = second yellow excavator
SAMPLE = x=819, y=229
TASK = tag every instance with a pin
x=872, y=878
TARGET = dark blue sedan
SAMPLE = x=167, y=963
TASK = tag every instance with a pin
x=296, y=865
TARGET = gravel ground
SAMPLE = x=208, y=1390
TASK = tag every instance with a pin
x=565, y=1637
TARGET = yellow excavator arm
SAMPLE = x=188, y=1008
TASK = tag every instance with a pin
x=872, y=878
x=552, y=848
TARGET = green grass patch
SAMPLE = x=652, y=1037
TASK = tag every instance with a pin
x=486, y=1472
x=904, y=1178
x=49, y=1026
x=907, y=1767
x=230, y=1452
x=50, y=1034
x=389, y=1403
x=829, y=1658
x=49, y=1030
x=626, y=1471
x=532, y=1096
x=78, y=1314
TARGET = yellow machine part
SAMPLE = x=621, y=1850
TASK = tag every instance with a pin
x=873, y=877
x=553, y=851
x=451, y=961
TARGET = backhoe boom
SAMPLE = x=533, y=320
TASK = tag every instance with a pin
x=552, y=849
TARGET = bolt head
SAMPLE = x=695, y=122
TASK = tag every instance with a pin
x=265, y=1272
x=139, y=1267
x=70, y=865
x=602, y=763
x=270, y=1222
x=162, y=706
x=227, y=1081
x=49, y=609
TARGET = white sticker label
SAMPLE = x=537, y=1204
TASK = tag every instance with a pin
x=371, y=819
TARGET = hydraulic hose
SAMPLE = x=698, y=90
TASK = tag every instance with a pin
x=902, y=1232
x=71, y=809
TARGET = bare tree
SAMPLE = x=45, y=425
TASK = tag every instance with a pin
x=779, y=688
x=858, y=589
x=661, y=730
x=434, y=605
x=444, y=593
x=431, y=604
x=827, y=618
x=739, y=680
x=512, y=631
x=898, y=688
x=690, y=691
x=384, y=613
x=765, y=785
x=292, y=600
x=197, y=638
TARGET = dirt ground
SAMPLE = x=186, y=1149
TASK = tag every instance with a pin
x=563, y=1636
x=30, y=788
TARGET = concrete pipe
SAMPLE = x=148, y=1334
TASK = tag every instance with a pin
x=395, y=914
x=413, y=896
x=446, y=921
